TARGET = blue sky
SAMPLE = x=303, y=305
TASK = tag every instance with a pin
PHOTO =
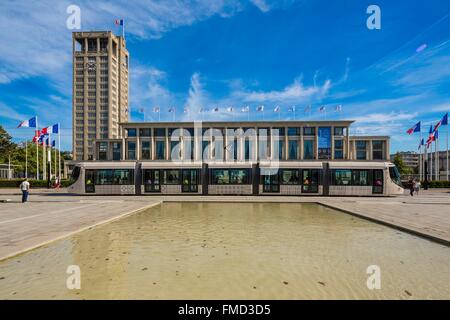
x=235, y=53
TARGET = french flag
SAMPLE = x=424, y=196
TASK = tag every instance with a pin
x=31, y=123
x=52, y=129
x=119, y=22
x=415, y=128
x=443, y=122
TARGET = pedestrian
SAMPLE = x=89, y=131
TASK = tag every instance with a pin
x=411, y=187
x=25, y=187
x=417, y=187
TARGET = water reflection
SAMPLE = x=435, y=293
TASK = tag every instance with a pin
x=233, y=251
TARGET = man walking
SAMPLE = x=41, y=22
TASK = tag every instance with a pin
x=25, y=187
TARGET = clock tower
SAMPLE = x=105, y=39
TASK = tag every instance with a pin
x=100, y=89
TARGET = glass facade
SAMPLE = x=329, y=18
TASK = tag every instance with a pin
x=308, y=149
x=131, y=150
x=377, y=150
x=116, y=150
x=292, y=150
x=324, y=135
x=103, y=151
x=146, y=150
x=361, y=150
x=338, y=149
x=160, y=152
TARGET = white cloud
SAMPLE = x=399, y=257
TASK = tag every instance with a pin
x=384, y=118
x=295, y=92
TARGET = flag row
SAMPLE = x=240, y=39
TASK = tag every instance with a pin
x=433, y=132
x=261, y=108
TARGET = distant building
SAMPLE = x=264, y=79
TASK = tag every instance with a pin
x=100, y=89
x=409, y=158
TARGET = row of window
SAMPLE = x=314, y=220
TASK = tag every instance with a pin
x=161, y=132
x=110, y=177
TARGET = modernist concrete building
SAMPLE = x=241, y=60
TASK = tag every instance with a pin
x=240, y=141
x=409, y=158
x=100, y=89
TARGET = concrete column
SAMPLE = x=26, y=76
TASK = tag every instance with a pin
x=347, y=145
x=332, y=142
x=370, y=150
x=138, y=145
x=316, y=144
x=301, y=143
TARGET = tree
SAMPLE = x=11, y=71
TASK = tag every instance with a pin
x=398, y=161
x=6, y=145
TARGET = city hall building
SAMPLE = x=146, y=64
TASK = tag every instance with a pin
x=245, y=141
x=238, y=158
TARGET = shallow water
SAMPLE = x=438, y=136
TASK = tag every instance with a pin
x=233, y=251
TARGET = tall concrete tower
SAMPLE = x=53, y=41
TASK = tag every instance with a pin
x=100, y=89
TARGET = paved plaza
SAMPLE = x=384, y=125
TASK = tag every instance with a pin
x=50, y=215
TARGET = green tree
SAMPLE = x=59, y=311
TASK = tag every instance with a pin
x=398, y=161
x=6, y=145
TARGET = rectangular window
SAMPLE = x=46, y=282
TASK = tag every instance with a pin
x=146, y=150
x=342, y=177
x=308, y=149
x=205, y=150
x=292, y=149
x=309, y=131
x=290, y=177
x=116, y=151
x=361, y=178
x=103, y=151
x=361, y=153
x=338, y=149
x=175, y=150
x=220, y=176
x=131, y=150
x=160, y=150
x=324, y=139
x=310, y=180
x=131, y=132
x=293, y=132
x=123, y=177
x=247, y=149
x=146, y=132
x=172, y=177
x=377, y=150
x=339, y=131
x=160, y=132
x=240, y=176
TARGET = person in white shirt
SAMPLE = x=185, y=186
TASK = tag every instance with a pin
x=25, y=187
x=417, y=187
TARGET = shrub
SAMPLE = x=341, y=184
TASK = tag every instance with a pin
x=438, y=184
x=15, y=183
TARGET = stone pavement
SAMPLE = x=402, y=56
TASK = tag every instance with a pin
x=52, y=215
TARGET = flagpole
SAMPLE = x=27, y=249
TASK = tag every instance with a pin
x=420, y=156
x=59, y=151
x=37, y=151
x=44, y=158
x=26, y=159
x=447, y=151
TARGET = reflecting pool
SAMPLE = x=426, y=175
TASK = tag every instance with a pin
x=233, y=251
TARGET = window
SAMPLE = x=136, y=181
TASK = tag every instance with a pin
x=188, y=149
x=361, y=178
x=324, y=140
x=308, y=149
x=292, y=150
x=103, y=151
x=342, y=177
x=116, y=151
x=290, y=177
x=395, y=176
x=123, y=176
x=377, y=150
x=146, y=150
x=220, y=176
x=160, y=150
x=309, y=131
x=247, y=149
x=293, y=132
x=280, y=132
x=160, y=132
x=239, y=176
x=205, y=150
x=103, y=177
x=361, y=153
x=145, y=132
x=280, y=149
x=310, y=180
x=172, y=177
x=339, y=131
x=339, y=149
x=131, y=132
x=175, y=150
x=131, y=150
